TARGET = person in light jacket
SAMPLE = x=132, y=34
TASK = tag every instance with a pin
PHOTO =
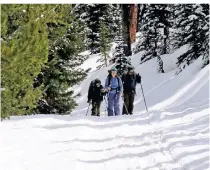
x=114, y=87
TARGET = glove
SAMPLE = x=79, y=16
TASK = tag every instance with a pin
x=104, y=92
x=139, y=77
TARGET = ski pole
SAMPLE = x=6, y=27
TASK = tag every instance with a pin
x=144, y=97
x=106, y=104
x=125, y=105
x=88, y=109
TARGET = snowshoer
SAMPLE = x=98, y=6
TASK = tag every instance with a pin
x=95, y=96
x=114, y=87
x=130, y=79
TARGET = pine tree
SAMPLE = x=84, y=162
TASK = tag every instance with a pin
x=150, y=32
x=122, y=61
x=156, y=20
x=104, y=45
x=206, y=37
x=141, y=12
x=62, y=72
x=24, y=47
x=91, y=15
x=166, y=22
x=112, y=18
x=192, y=29
x=81, y=13
x=117, y=37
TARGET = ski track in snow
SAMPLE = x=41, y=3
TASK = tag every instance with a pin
x=173, y=135
x=146, y=141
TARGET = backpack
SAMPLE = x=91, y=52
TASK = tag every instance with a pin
x=127, y=84
x=109, y=81
x=92, y=89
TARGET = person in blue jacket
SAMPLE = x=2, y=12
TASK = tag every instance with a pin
x=114, y=87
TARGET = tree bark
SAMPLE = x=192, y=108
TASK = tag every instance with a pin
x=165, y=39
x=126, y=29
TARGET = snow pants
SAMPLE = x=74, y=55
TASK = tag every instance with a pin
x=114, y=104
x=96, y=108
x=128, y=102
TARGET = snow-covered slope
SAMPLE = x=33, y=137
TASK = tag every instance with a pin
x=161, y=90
x=174, y=135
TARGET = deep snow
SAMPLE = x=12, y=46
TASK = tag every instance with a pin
x=173, y=135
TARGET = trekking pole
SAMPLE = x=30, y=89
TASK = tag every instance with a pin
x=106, y=110
x=144, y=97
x=88, y=109
x=125, y=105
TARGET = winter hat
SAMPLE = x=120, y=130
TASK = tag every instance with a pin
x=97, y=81
x=130, y=68
x=113, y=69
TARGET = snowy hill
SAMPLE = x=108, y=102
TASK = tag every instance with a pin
x=173, y=135
x=161, y=90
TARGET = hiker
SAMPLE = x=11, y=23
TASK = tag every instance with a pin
x=114, y=87
x=95, y=96
x=129, y=79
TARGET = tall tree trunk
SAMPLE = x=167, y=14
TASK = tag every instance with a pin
x=126, y=29
x=106, y=60
x=133, y=23
x=155, y=38
x=138, y=17
x=165, y=39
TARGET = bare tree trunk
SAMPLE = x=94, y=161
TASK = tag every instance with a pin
x=133, y=23
x=126, y=29
x=106, y=61
x=155, y=37
x=138, y=17
x=165, y=39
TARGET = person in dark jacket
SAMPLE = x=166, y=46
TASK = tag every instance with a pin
x=95, y=96
x=129, y=79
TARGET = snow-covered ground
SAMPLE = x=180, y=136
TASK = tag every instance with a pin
x=173, y=135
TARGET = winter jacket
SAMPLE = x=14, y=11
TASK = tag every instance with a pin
x=115, y=86
x=95, y=93
x=130, y=81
